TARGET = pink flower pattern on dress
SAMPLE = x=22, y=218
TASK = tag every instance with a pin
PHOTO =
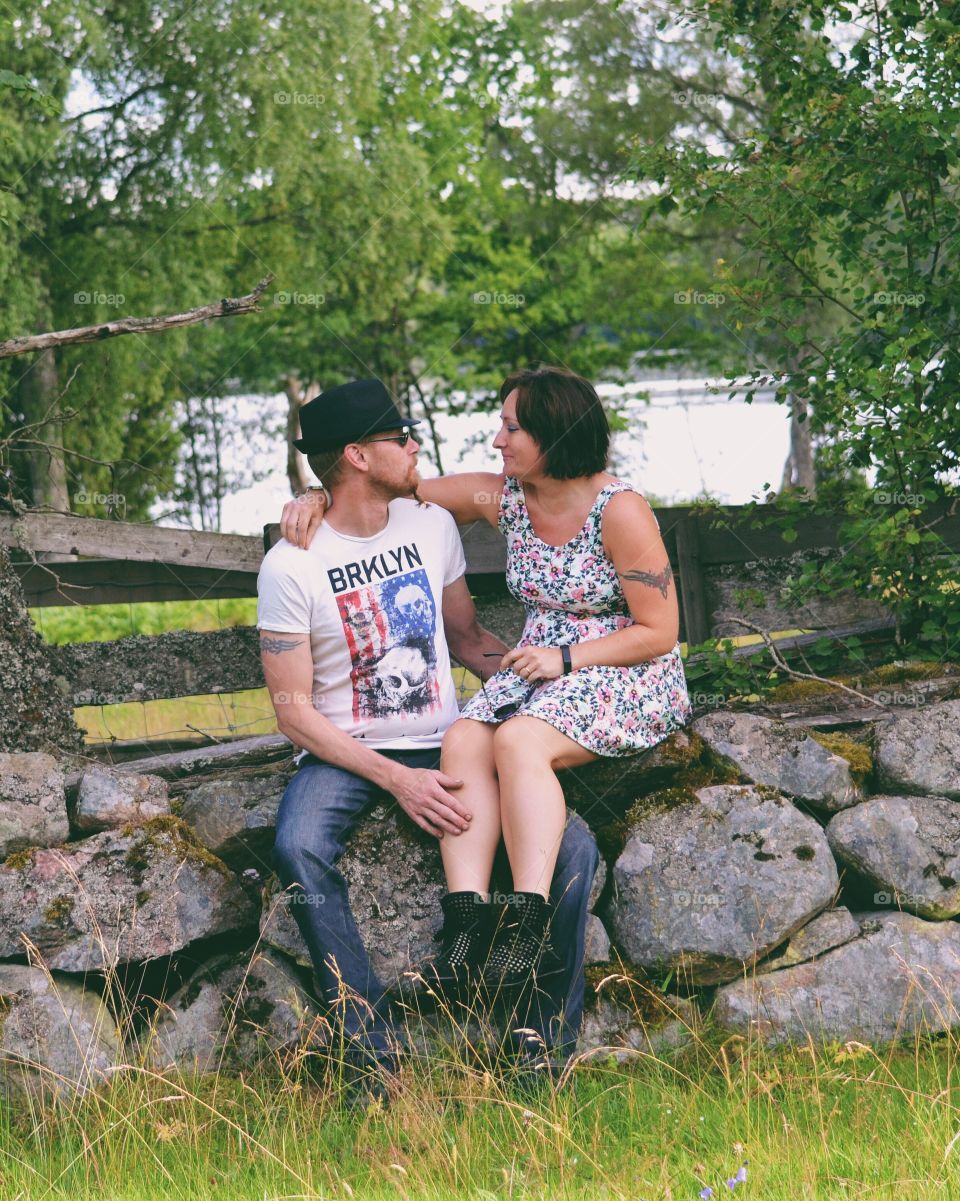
x=572, y=593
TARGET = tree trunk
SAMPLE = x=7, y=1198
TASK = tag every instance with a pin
x=798, y=471
x=38, y=391
x=298, y=472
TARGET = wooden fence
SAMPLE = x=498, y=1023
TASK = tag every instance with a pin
x=726, y=566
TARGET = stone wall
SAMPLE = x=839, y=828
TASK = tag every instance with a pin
x=789, y=883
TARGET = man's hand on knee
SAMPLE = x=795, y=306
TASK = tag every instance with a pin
x=423, y=794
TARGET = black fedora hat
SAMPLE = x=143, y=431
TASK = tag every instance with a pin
x=348, y=413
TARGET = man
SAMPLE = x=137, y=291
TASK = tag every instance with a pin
x=354, y=640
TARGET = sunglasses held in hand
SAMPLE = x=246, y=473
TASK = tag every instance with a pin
x=507, y=699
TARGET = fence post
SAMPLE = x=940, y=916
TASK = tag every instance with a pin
x=692, y=593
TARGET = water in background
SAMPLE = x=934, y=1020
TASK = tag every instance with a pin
x=684, y=443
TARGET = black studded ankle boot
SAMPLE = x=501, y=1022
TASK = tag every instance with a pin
x=521, y=949
x=464, y=941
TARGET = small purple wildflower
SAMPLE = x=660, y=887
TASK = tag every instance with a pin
x=705, y=1193
x=740, y=1178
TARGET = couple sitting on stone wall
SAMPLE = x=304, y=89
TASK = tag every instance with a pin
x=357, y=609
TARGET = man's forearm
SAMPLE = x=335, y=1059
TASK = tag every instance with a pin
x=475, y=649
x=305, y=727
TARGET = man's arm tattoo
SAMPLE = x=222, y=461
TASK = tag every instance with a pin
x=660, y=581
x=276, y=646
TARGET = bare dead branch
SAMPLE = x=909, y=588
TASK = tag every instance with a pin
x=803, y=675
x=135, y=325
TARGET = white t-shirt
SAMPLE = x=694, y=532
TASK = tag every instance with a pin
x=372, y=608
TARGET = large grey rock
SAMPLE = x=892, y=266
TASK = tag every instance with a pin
x=829, y=929
x=908, y=847
x=710, y=886
x=117, y=897
x=596, y=942
x=783, y=757
x=918, y=750
x=55, y=1036
x=900, y=976
x=235, y=1012
x=108, y=800
x=33, y=806
x=235, y=817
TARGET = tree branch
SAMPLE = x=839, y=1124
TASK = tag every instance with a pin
x=135, y=325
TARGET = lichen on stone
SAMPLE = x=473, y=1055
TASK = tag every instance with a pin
x=59, y=909
x=19, y=861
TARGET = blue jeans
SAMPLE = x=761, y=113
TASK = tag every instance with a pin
x=322, y=805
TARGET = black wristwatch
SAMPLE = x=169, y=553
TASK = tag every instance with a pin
x=567, y=664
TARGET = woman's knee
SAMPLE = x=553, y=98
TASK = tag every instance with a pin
x=520, y=737
x=467, y=741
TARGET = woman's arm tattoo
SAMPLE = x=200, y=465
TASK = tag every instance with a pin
x=661, y=581
x=276, y=646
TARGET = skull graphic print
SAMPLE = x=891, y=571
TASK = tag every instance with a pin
x=389, y=627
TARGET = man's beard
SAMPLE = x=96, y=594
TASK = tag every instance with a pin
x=404, y=491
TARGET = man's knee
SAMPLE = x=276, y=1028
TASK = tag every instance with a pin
x=301, y=847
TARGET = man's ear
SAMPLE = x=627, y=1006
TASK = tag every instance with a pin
x=356, y=456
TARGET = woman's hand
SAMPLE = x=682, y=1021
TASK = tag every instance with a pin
x=301, y=517
x=535, y=662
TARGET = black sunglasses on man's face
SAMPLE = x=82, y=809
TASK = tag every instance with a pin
x=403, y=438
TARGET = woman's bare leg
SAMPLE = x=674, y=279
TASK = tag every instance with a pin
x=467, y=754
x=527, y=753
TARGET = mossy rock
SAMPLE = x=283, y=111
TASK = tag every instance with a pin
x=899, y=672
x=169, y=829
x=856, y=753
x=683, y=792
x=626, y=986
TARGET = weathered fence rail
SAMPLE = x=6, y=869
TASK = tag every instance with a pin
x=719, y=558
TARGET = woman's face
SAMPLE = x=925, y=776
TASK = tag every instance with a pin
x=522, y=456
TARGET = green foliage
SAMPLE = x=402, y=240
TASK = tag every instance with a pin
x=846, y=192
x=442, y=205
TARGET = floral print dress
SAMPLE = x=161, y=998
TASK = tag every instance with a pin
x=572, y=593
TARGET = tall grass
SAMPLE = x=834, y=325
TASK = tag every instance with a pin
x=835, y=1121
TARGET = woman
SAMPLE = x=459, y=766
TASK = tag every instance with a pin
x=596, y=673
